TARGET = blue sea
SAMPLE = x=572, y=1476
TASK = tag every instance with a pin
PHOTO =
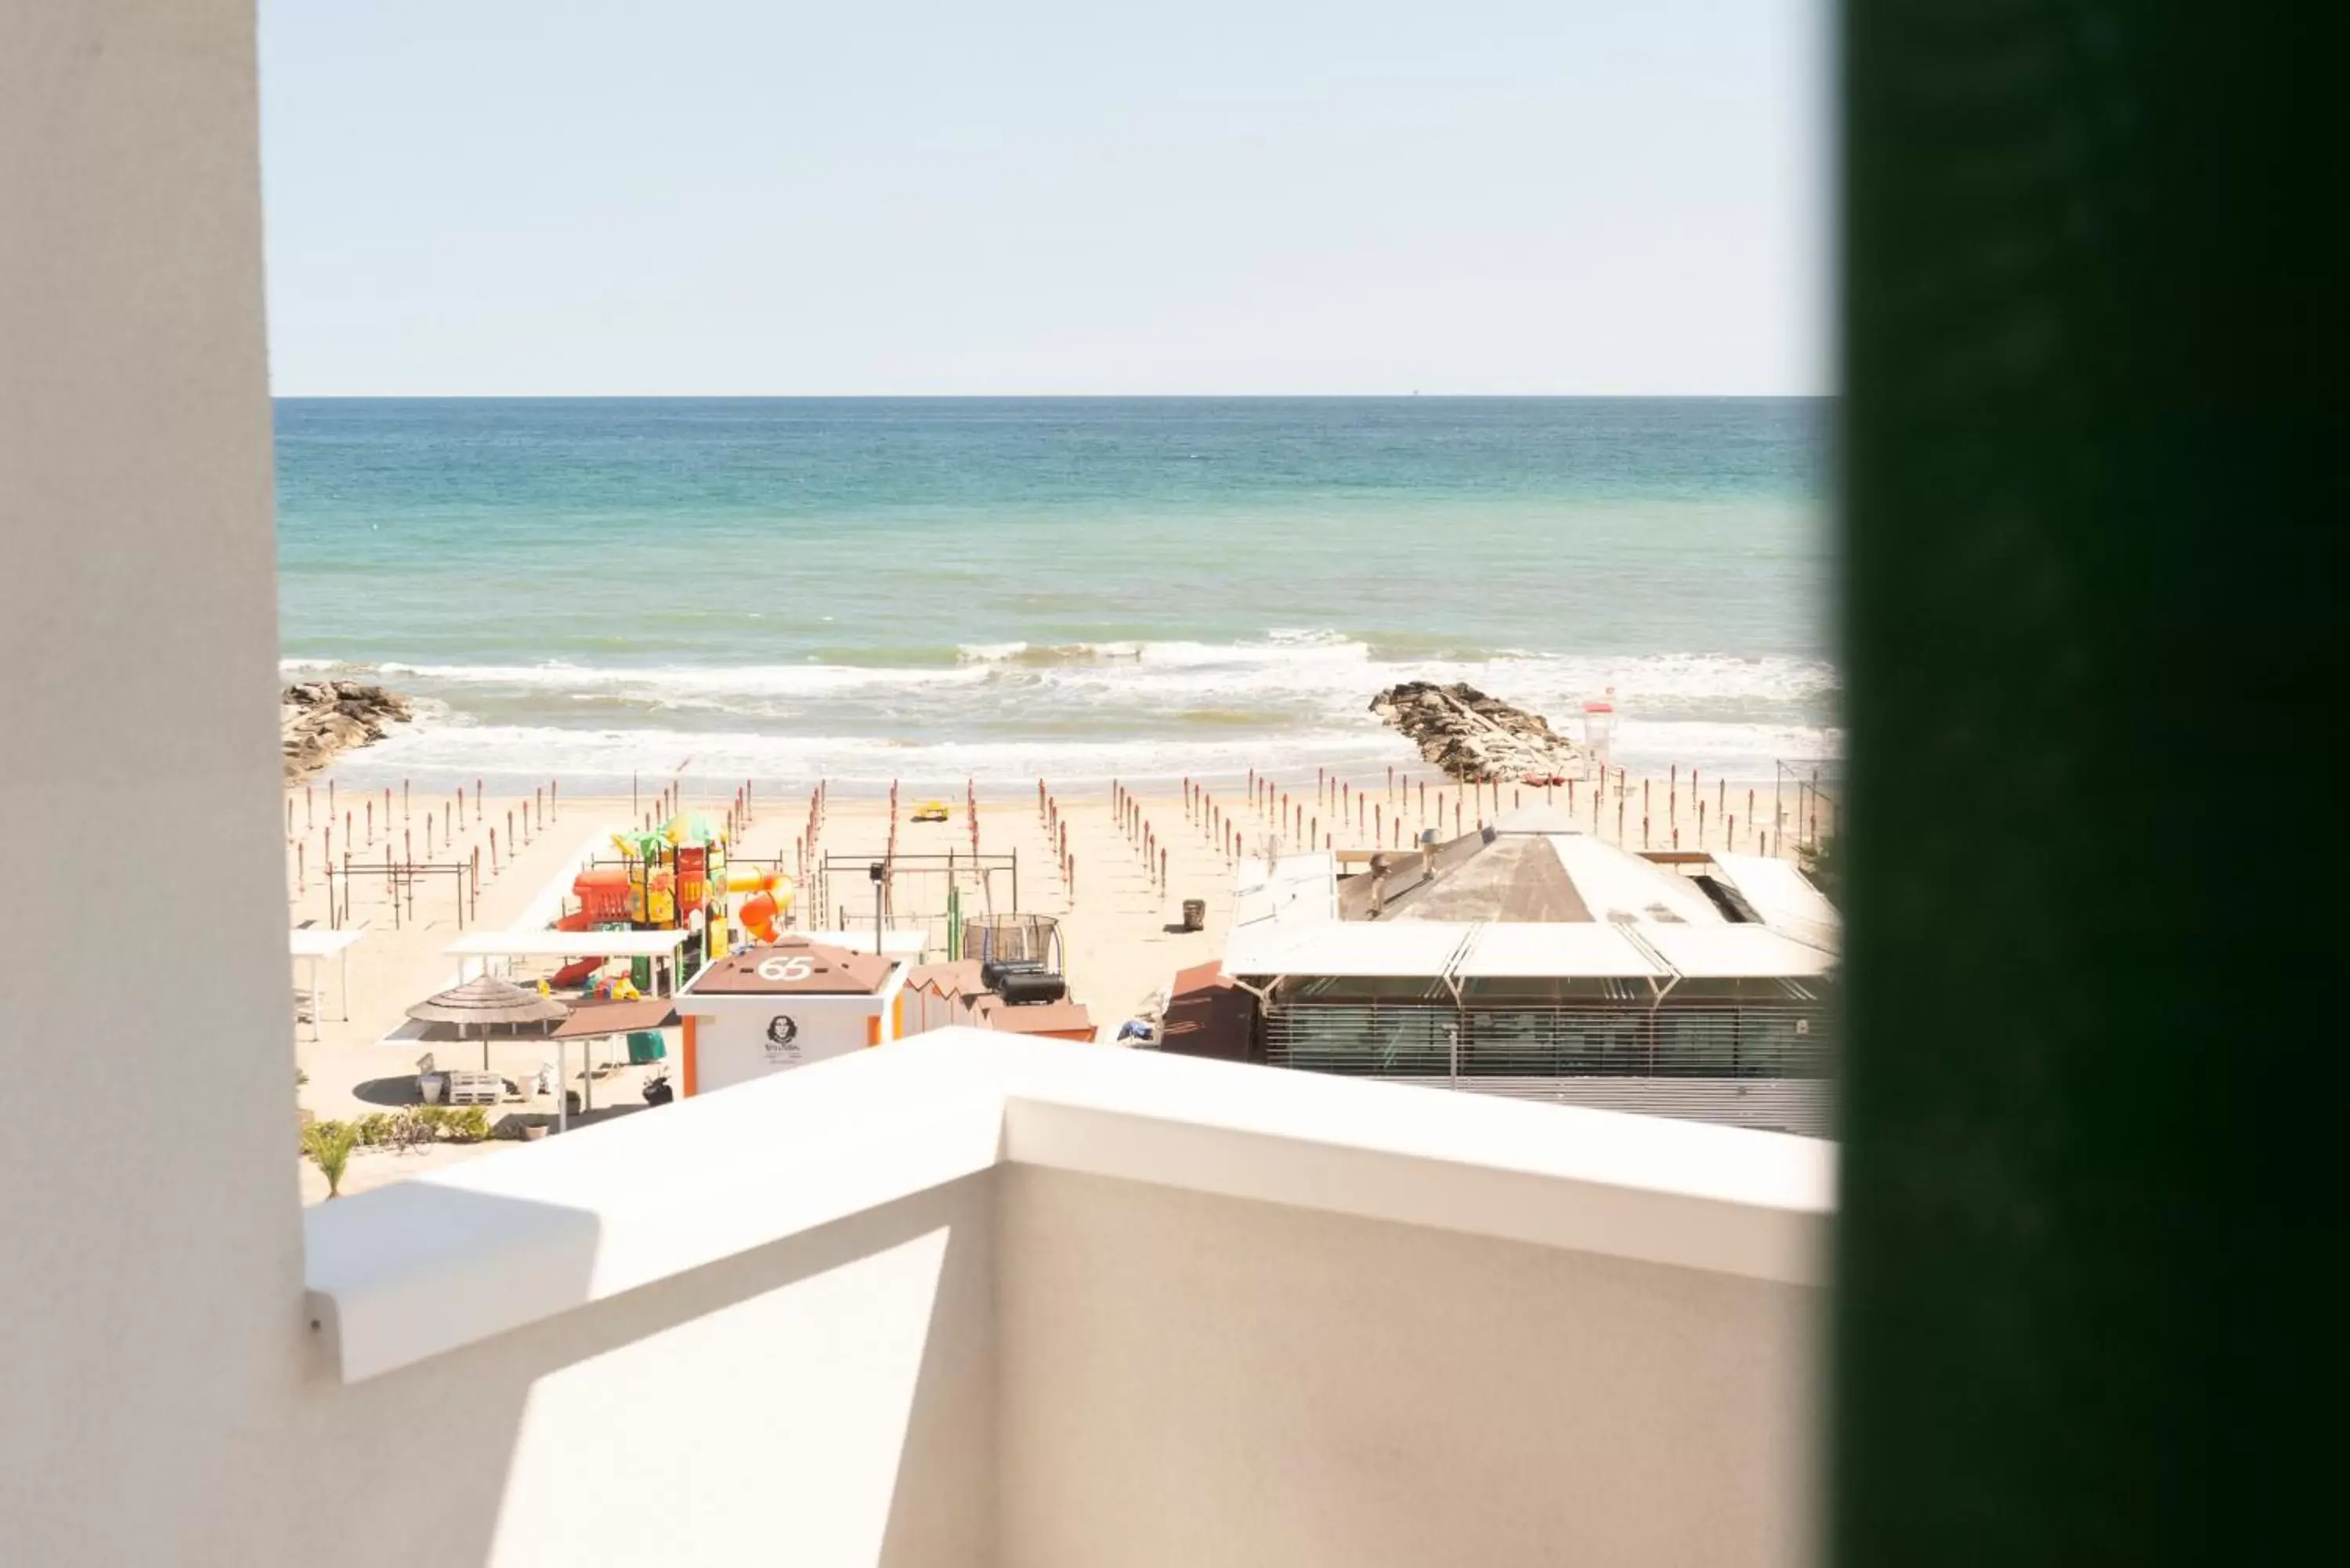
x=930, y=589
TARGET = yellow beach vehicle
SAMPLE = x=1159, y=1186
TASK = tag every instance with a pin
x=932, y=810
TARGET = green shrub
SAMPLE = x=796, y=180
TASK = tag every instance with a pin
x=374, y=1128
x=330, y=1145
x=467, y=1124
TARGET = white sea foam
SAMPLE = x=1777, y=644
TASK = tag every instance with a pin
x=1342, y=675
x=652, y=683
x=1013, y=711
x=1309, y=665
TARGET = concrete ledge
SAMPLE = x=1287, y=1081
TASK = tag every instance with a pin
x=447, y=1259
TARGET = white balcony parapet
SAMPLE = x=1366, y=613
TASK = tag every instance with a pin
x=428, y=1265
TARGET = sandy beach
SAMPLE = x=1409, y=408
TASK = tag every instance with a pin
x=1091, y=857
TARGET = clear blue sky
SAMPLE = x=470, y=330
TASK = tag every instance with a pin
x=1045, y=196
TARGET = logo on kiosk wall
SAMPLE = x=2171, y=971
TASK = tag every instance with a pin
x=782, y=1043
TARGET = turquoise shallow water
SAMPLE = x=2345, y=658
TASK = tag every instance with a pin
x=925, y=589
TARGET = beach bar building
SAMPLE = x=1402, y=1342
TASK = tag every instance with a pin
x=1533, y=960
x=760, y=1011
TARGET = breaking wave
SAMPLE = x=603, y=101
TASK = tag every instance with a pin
x=1015, y=711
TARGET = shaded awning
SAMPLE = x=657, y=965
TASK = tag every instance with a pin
x=591, y=1019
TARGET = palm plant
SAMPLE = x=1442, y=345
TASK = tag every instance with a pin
x=330, y=1145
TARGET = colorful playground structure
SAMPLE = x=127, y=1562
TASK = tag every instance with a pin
x=674, y=878
x=760, y=914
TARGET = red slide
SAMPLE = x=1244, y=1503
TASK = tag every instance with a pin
x=577, y=971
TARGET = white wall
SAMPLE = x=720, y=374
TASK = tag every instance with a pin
x=827, y=1399
x=162, y=1398
x=151, y=1336
x=731, y=1044
x=1190, y=1379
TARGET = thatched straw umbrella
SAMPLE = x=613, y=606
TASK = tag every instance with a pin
x=486, y=1000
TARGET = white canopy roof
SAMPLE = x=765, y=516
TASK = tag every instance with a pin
x=1296, y=889
x=908, y=941
x=1558, y=949
x=567, y=944
x=1347, y=948
x=1734, y=952
x=1613, y=881
x=318, y=941
x=1783, y=897
x=1647, y=921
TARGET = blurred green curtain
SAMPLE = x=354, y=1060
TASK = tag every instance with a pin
x=2091, y=451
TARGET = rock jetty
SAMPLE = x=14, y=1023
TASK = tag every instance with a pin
x=1478, y=739
x=318, y=720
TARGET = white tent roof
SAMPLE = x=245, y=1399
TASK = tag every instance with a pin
x=1346, y=948
x=897, y=942
x=1613, y=881
x=1295, y=889
x=1734, y=952
x=567, y=944
x=318, y=942
x=1782, y=897
x=1559, y=950
x=1649, y=922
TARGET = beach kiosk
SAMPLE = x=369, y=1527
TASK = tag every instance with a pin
x=769, y=1010
x=475, y=950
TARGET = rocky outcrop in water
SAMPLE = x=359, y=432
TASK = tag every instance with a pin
x=320, y=720
x=1475, y=738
